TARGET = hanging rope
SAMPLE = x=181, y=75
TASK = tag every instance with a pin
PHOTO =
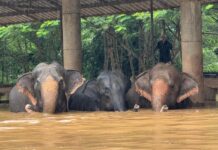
x=111, y=60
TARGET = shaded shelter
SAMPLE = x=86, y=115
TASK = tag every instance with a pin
x=70, y=11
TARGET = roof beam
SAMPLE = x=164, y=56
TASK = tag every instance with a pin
x=26, y=6
x=30, y=12
x=33, y=7
x=115, y=7
x=164, y=4
x=29, y=8
x=112, y=3
x=18, y=10
x=6, y=4
x=55, y=3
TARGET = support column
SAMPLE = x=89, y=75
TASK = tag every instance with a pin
x=72, y=50
x=191, y=43
x=152, y=32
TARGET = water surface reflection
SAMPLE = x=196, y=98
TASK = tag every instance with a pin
x=177, y=129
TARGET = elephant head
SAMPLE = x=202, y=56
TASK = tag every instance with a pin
x=112, y=87
x=51, y=81
x=164, y=85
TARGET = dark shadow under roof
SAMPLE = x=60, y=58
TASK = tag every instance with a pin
x=18, y=11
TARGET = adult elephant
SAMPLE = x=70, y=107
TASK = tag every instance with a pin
x=44, y=89
x=165, y=85
x=106, y=93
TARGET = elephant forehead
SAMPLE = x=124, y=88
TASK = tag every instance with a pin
x=160, y=87
x=49, y=84
x=49, y=74
x=104, y=81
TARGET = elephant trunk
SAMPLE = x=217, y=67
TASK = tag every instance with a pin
x=160, y=90
x=49, y=91
x=118, y=102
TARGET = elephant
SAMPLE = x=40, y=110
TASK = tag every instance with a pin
x=105, y=93
x=133, y=99
x=86, y=98
x=164, y=85
x=112, y=86
x=45, y=89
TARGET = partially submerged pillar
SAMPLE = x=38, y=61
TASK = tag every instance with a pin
x=72, y=51
x=191, y=43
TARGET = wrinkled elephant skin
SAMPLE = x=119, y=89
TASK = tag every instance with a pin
x=45, y=89
x=165, y=85
x=106, y=93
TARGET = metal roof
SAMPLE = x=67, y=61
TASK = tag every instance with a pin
x=18, y=11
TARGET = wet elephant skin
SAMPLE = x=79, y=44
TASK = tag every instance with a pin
x=50, y=83
x=106, y=93
x=165, y=85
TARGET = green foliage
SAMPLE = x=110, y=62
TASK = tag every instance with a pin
x=23, y=46
x=46, y=28
x=210, y=61
x=93, y=57
x=210, y=40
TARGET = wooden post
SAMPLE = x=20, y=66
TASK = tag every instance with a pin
x=61, y=33
x=191, y=43
x=152, y=31
x=72, y=50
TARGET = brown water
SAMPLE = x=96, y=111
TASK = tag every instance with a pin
x=178, y=129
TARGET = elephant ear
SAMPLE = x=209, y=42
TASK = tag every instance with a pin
x=25, y=86
x=24, y=81
x=73, y=80
x=142, y=86
x=189, y=87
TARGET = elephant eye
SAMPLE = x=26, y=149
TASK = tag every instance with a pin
x=104, y=90
x=151, y=82
x=37, y=82
x=61, y=79
x=107, y=90
x=172, y=86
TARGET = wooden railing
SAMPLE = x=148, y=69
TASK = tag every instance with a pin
x=4, y=93
x=211, y=86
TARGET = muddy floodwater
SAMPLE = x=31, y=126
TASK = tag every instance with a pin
x=189, y=129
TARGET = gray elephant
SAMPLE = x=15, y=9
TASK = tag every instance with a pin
x=106, y=93
x=164, y=85
x=86, y=97
x=112, y=86
x=44, y=89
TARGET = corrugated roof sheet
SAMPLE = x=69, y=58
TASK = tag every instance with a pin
x=17, y=11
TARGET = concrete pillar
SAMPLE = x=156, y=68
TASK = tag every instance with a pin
x=72, y=50
x=191, y=42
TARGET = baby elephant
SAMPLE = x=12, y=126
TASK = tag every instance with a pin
x=164, y=86
x=106, y=93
